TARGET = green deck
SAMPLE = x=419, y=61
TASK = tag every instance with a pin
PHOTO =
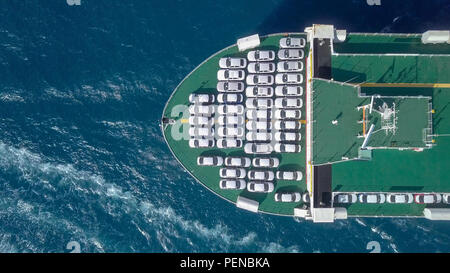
x=393, y=170
x=204, y=79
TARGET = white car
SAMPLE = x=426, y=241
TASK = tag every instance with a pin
x=232, y=109
x=305, y=198
x=290, y=66
x=260, y=125
x=259, y=91
x=259, y=114
x=259, y=79
x=230, y=119
x=288, y=114
x=229, y=62
x=237, y=132
x=259, y=103
x=209, y=161
x=232, y=184
x=291, y=42
x=261, y=55
x=204, y=132
x=232, y=172
x=427, y=198
x=230, y=75
x=400, y=198
x=261, y=175
x=201, y=110
x=288, y=78
x=201, y=143
x=289, y=102
x=201, y=98
x=258, y=148
x=266, y=162
x=290, y=54
x=287, y=148
x=237, y=161
x=289, y=175
x=226, y=143
x=446, y=198
x=345, y=198
x=287, y=125
x=288, y=197
x=230, y=86
x=230, y=98
x=263, y=67
x=258, y=136
x=200, y=121
x=260, y=186
x=288, y=90
x=287, y=136
x=372, y=198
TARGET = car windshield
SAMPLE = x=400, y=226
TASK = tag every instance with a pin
x=288, y=41
x=228, y=62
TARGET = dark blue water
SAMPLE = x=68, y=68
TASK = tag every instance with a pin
x=82, y=158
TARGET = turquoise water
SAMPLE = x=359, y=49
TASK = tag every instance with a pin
x=82, y=157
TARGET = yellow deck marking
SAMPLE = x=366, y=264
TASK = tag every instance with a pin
x=184, y=120
x=303, y=121
x=425, y=85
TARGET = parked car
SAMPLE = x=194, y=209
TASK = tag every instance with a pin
x=261, y=55
x=230, y=86
x=230, y=75
x=259, y=114
x=258, y=136
x=201, y=131
x=287, y=125
x=266, y=162
x=259, y=125
x=229, y=62
x=232, y=184
x=228, y=131
x=200, y=121
x=237, y=161
x=209, y=161
x=290, y=66
x=446, y=198
x=288, y=197
x=201, y=110
x=201, y=98
x=287, y=148
x=400, y=198
x=259, y=103
x=288, y=78
x=232, y=172
x=288, y=102
x=287, y=136
x=260, y=186
x=290, y=54
x=224, y=143
x=261, y=67
x=345, y=198
x=288, y=114
x=372, y=198
x=259, y=79
x=258, y=148
x=289, y=175
x=288, y=90
x=291, y=42
x=230, y=109
x=259, y=91
x=230, y=98
x=427, y=198
x=201, y=143
x=230, y=120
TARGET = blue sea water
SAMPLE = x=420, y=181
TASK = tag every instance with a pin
x=82, y=158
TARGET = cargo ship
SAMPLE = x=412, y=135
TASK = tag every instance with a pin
x=322, y=124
